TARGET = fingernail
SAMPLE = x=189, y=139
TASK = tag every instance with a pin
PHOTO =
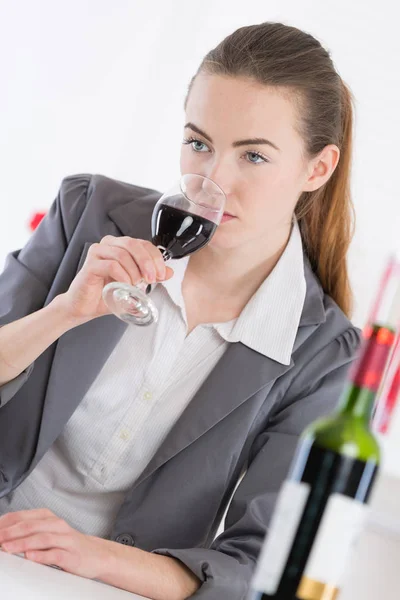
x=150, y=277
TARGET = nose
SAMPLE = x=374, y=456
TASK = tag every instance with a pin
x=208, y=186
x=222, y=174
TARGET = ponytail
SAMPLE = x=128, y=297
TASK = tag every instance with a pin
x=326, y=219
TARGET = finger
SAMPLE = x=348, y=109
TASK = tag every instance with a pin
x=121, y=256
x=39, y=541
x=163, y=272
x=24, y=515
x=141, y=255
x=25, y=528
x=109, y=270
x=55, y=557
x=158, y=260
x=139, y=251
x=168, y=273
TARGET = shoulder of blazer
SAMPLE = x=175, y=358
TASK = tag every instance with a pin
x=121, y=190
x=323, y=325
x=128, y=206
x=106, y=194
x=112, y=194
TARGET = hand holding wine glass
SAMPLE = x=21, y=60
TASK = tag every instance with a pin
x=113, y=259
x=184, y=220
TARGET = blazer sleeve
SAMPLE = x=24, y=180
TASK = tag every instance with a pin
x=29, y=272
x=225, y=569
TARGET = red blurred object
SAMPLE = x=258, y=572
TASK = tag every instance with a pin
x=35, y=220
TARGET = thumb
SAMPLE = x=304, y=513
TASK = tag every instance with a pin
x=168, y=273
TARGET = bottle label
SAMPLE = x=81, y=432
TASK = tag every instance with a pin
x=290, y=505
x=339, y=529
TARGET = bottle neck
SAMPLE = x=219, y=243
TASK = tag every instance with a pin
x=358, y=403
x=367, y=374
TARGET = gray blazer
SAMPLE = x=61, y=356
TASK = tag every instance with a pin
x=246, y=417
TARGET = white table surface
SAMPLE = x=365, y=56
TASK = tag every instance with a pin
x=21, y=579
x=374, y=572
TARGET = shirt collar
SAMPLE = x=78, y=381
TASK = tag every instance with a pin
x=269, y=322
x=174, y=285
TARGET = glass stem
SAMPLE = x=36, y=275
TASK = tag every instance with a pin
x=166, y=254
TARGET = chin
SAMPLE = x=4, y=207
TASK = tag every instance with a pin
x=224, y=239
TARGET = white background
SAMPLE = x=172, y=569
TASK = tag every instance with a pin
x=98, y=86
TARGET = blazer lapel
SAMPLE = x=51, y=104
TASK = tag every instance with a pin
x=79, y=357
x=81, y=352
x=240, y=373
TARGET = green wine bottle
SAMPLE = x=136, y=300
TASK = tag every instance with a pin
x=322, y=504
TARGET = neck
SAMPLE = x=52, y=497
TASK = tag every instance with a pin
x=237, y=271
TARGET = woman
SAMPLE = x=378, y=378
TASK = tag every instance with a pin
x=121, y=446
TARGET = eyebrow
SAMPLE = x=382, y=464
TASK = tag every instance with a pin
x=247, y=142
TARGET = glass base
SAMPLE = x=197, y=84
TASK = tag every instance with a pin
x=130, y=304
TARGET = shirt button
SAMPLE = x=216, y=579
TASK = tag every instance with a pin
x=147, y=395
x=124, y=435
x=126, y=539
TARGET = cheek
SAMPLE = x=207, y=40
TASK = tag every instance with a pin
x=189, y=162
x=183, y=163
x=268, y=197
x=281, y=184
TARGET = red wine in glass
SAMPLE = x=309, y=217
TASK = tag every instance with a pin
x=178, y=232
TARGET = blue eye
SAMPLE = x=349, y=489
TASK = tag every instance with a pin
x=197, y=145
x=255, y=158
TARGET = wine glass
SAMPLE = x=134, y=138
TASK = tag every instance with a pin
x=184, y=220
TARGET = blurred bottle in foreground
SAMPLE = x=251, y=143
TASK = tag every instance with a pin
x=322, y=504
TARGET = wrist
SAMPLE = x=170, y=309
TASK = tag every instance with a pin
x=110, y=561
x=145, y=573
x=117, y=565
x=62, y=314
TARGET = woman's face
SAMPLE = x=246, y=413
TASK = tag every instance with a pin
x=243, y=136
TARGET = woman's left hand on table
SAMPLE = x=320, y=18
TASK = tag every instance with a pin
x=45, y=538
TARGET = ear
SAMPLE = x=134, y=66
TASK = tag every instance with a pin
x=321, y=168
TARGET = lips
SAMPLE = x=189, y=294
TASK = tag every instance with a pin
x=227, y=217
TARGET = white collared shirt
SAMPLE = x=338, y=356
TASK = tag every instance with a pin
x=143, y=388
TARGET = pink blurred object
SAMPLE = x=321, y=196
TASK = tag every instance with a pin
x=389, y=298
x=390, y=393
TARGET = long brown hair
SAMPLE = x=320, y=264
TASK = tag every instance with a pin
x=275, y=54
